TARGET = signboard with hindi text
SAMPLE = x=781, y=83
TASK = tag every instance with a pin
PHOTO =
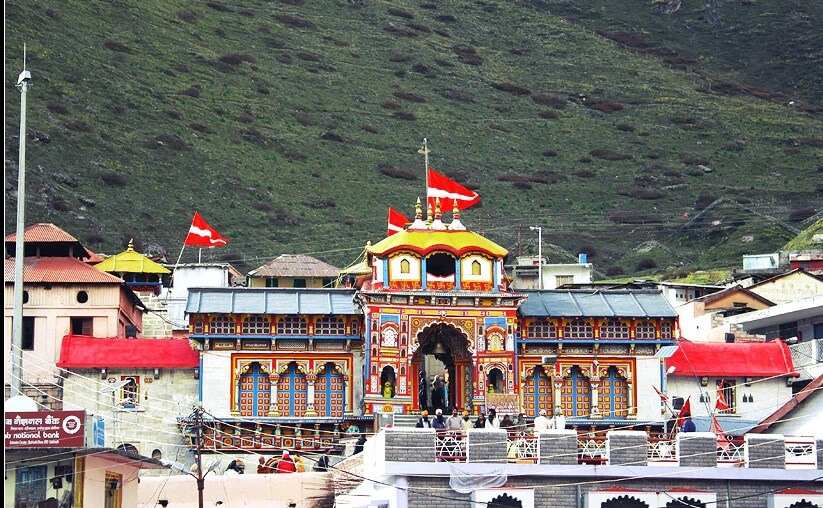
x=45, y=429
x=503, y=403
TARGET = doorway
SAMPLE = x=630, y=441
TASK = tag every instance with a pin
x=443, y=369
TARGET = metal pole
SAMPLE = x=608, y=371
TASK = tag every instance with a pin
x=19, y=255
x=539, y=255
x=198, y=423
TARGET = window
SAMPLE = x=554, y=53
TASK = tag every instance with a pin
x=81, y=326
x=299, y=283
x=578, y=329
x=28, y=334
x=476, y=268
x=330, y=325
x=130, y=393
x=327, y=282
x=82, y=297
x=292, y=325
x=222, y=324
x=256, y=325
x=644, y=330
x=198, y=326
x=272, y=282
x=613, y=329
x=563, y=279
x=666, y=331
x=726, y=393
x=541, y=329
x=25, y=297
x=405, y=266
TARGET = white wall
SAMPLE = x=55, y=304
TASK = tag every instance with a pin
x=768, y=394
x=216, y=375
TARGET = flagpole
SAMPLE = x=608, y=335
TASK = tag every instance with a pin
x=426, y=169
x=199, y=254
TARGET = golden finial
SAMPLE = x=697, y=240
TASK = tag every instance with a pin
x=456, y=211
x=418, y=209
x=437, y=213
x=131, y=244
x=429, y=213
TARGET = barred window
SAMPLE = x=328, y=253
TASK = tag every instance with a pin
x=330, y=325
x=222, y=324
x=578, y=329
x=355, y=327
x=541, y=329
x=256, y=325
x=292, y=325
x=614, y=329
x=198, y=326
x=666, y=331
x=644, y=330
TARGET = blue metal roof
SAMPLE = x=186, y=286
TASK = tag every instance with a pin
x=597, y=303
x=242, y=300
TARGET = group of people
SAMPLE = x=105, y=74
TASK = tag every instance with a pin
x=464, y=422
x=437, y=397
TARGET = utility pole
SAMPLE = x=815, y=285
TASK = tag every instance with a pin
x=19, y=255
x=539, y=255
x=198, y=428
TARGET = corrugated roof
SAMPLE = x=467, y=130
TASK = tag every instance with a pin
x=426, y=241
x=732, y=359
x=242, y=300
x=600, y=303
x=83, y=352
x=43, y=232
x=296, y=265
x=58, y=270
x=130, y=261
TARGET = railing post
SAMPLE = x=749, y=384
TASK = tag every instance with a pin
x=558, y=447
x=486, y=446
x=627, y=447
x=765, y=451
x=697, y=449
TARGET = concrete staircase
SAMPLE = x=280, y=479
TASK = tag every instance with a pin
x=404, y=420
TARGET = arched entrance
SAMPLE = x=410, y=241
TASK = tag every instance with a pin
x=444, y=361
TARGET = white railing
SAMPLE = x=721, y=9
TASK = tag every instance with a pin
x=800, y=452
x=591, y=450
x=450, y=445
x=732, y=453
x=662, y=450
x=522, y=446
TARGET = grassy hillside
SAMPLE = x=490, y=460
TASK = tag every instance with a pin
x=292, y=126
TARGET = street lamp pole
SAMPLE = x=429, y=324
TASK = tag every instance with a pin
x=19, y=255
x=539, y=255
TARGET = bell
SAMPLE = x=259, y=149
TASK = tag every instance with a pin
x=439, y=349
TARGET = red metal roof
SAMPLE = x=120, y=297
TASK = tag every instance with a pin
x=58, y=270
x=735, y=359
x=84, y=352
x=43, y=232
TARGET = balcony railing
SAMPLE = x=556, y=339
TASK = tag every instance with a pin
x=800, y=452
x=522, y=446
x=591, y=449
x=732, y=453
x=450, y=445
x=662, y=450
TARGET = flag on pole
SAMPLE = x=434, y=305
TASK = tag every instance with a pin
x=449, y=192
x=663, y=396
x=721, y=404
x=685, y=412
x=722, y=440
x=397, y=221
x=203, y=235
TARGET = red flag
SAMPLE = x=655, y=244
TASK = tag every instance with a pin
x=449, y=192
x=722, y=440
x=663, y=396
x=685, y=411
x=397, y=221
x=203, y=235
x=721, y=404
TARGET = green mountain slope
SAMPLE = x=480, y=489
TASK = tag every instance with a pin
x=292, y=126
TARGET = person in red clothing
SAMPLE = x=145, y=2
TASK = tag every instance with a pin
x=286, y=464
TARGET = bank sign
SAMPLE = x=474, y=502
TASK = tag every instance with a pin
x=45, y=429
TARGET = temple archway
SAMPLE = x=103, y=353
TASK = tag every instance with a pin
x=443, y=355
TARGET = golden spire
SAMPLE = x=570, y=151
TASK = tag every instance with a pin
x=429, y=214
x=456, y=211
x=131, y=244
x=418, y=210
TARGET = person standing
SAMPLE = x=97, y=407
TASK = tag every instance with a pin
x=439, y=422
x=454, y=422
x=438, y=393
x=467, y=422
x=423, y=392
x=688, y=425
x=323, y=462
x=285, y=464
x=480, y=423
x=492, y=422
x=358, y=446
x=262, y=467
x=424, y=422
x=541, y=422
x=558, y=420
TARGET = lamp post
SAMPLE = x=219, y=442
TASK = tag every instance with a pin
x=539, y=255
x=19, y=255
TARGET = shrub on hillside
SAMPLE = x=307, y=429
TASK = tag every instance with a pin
x=646, y=263
x=549, y=153
x=468, y=55
x=395, y=172
x=400, y=30
x=548, y=99
x=293, y=21
x=624, y=127
x=295, y=155
x=648, y=193
x=695, y=161
x=219, y=7
x=400, y=13
x=443, y=63
x=585, y=173
x=116, y=46
x=187, y=16
x=522, y=185
x=604, y=106
x=245, y=117
x=192, y=91
x=511, y=88
x=333, y=136
x=282, y=217
x=446, y=18
x=59, y=204
x=498, y=127
x=442, y=33
x=308, y=57
x=801, y=214
x=59, y=109
x=236, y=58
x=420, y=27
x=404, y=115
x=113, y=179
x=399, y=57
x=78, y=126
x=547, y=114
x=408, y=96
x=370, y=128
x=704, y=200
x=613, y=271
x=812, y=141
x=609, y=155
x=199, y=127
x=319, y=203
x=390, y=105
x=305, y=120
